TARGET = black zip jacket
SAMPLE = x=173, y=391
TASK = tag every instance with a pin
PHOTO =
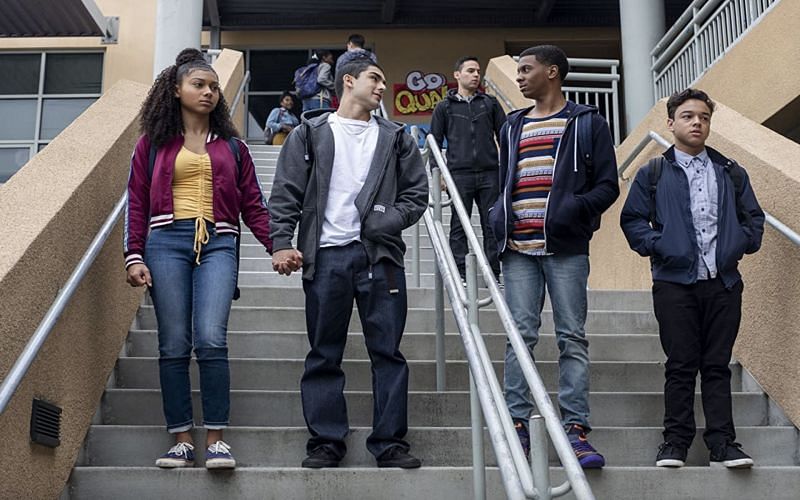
x=470, y=129
x=580, y=192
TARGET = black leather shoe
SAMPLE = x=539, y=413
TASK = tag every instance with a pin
x=396, y=456
x=321, y=457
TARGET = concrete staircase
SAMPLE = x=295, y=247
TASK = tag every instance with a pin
x=267, y=347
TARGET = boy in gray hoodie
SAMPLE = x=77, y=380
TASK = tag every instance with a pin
x=353, y=181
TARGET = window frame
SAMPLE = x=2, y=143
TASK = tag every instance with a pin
x=37, y=142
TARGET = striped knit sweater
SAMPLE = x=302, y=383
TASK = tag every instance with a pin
x=532, y=182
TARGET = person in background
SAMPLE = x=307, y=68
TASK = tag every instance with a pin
x=322, y=99
x=471, y=120
x=281, y=120
x=191, y=179
x=355, y=49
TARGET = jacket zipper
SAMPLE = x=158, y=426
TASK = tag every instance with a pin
x=555, y=164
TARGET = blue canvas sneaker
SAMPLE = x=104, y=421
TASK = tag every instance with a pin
x=218, y=456
x=180, y=455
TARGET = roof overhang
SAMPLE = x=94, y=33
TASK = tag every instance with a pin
x=47, y=18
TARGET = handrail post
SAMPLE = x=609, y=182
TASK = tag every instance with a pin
x=540, y=461
x=441, y=379
x=478, y=463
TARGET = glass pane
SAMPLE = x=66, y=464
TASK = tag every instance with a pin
x=274, y=69
x=73, y=74
x=20, y=73
x=58, y=113
x=11, y=160
x=23, y=126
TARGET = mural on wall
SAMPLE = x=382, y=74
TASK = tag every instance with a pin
x=420, y=93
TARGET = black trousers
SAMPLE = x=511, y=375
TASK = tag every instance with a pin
x=342, y=275
x=482, y=188
x=698, y=325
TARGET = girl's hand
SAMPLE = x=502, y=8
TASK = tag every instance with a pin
x=139, y=275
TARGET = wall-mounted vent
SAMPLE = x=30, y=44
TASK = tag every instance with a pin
x=45, y=423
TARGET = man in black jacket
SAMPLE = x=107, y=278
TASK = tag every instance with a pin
x=470, y=120
x=559, y=174
x=694, y=213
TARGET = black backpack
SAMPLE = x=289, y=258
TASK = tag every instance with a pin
x=235, y=151
x=735, y=171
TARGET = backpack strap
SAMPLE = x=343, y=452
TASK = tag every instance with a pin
x=654, y=169
x=737, y=174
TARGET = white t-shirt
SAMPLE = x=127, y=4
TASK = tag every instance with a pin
x=354, y=147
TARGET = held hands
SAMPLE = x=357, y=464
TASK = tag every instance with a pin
x=287, y=261
x=139, y=275
x=286, y=128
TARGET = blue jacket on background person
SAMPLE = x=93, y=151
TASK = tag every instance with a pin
x=672, y=247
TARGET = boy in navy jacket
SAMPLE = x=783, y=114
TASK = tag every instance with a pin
x=695, y=215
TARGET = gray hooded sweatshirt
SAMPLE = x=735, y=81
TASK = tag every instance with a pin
x=394, y=195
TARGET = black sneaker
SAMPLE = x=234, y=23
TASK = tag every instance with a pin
x=730, y=455
x=670, y=455
x=396, y=456
x=321, y=456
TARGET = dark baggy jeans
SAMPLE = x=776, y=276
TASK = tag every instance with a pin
x=343, y=274
x=698, y=325
x=482, y=188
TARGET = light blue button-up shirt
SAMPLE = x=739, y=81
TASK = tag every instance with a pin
x=702, y=179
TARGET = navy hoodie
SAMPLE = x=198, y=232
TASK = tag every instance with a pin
x=580, y=192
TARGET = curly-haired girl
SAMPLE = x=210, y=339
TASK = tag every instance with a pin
x=190, y=179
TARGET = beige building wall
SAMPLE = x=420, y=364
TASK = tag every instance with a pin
x=760, y=75
x=129, y=59
x=401, y=51
x=49, y=213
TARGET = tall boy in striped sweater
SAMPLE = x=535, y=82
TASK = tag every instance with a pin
x=558, y=174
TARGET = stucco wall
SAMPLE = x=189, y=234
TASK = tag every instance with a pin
x=49, y=213
x=761, y=73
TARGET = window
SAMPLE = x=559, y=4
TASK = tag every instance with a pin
x=271, y=73
x=43, y=92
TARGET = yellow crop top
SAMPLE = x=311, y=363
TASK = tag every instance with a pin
x=192, y=193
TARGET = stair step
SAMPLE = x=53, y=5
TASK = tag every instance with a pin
x=603, y=300
x=444, y=483
x=285, y=374
x=415, y=346
x=418, y=320
x=138, y=446
x=425, y=409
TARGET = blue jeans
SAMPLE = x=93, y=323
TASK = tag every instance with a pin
x=315, y=102
x=186, y=295
x=565, y=278
x=343, y=274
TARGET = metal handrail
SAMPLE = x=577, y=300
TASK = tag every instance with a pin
x=699, y=38
x=520, y=480
x=37, y=340
x=239, y=92
x=653, y=136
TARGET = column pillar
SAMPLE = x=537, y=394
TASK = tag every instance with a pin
x=641, y=27
x=179, y=24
